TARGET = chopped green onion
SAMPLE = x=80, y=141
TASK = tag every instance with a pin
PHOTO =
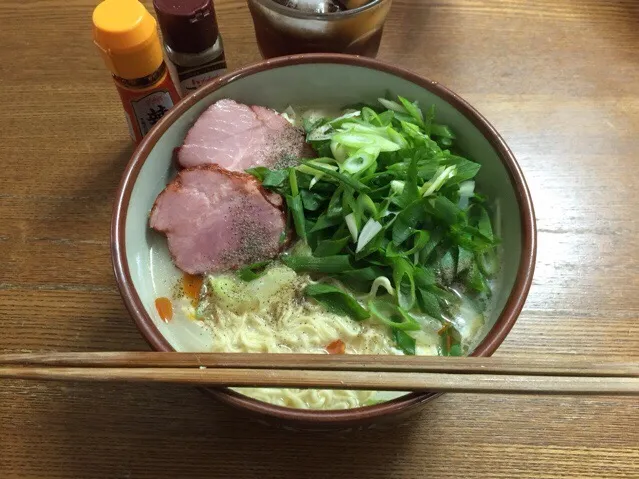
x=396, y=137
x=404, y=283
x=392, y=315
x=413, y=110
x=397, y=186
x=337, y=122
x=347, y=180
x=407, y=221
x=330, y=247
x=383, y=282
x=290, y=115
x=421, y=239
x=351, y=223
x=438, y=182
x=483, y=224
x=296, y=208
x=410, y=192
x=292, y=178
x=311, y=264
x=339, y=151
x=387, y=204
x=360, y=140
x=424, y=277
x=442, y=130
x=311, y=201
x=476, y=279
x=369, y=231
x=429, y=304
x=360, y=161
x=324, y=222
x=253, y=271
x=366, y=204
x=362, y=275
x=445, y=210
x=336, y=301
x=448, y=267
x=404, y=341
x=487, y=262
x=466, y=190
x=258, y=172
x=465, y=260
x=391, y=105
x=369, y=115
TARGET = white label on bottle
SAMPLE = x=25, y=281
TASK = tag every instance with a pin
x=193, y=83
x=149, y=109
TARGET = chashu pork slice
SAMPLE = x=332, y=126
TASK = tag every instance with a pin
x=216, y=220
x=237, y=136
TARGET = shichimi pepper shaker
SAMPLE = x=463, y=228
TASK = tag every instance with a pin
x=127, y=37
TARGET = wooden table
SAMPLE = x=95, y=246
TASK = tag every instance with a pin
x=558, y=78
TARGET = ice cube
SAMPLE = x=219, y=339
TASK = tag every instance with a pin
x=315, y=6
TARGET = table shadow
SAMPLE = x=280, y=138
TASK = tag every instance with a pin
x=113, y=431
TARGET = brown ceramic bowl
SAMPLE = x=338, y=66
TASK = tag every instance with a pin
x=142, y=265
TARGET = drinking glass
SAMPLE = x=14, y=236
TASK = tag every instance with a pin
x=282, y=30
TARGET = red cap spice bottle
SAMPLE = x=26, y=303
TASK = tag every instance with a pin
x=192, y=41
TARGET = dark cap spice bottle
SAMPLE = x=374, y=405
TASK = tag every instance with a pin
x=192, y=41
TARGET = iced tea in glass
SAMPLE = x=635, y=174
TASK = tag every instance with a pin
x=286, y=27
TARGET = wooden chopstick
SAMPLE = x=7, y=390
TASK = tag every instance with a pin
x=502, y=375
x=532, y=366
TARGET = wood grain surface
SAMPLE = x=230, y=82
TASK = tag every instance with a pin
x=558, y=78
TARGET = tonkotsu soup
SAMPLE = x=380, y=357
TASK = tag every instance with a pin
x=358, y=231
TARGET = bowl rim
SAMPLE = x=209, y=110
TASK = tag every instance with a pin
x=493, y=339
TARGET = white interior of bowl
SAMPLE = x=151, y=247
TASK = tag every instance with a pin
x=319, y=85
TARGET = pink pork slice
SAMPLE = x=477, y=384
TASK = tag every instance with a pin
x=216, y=220
x=237, y=136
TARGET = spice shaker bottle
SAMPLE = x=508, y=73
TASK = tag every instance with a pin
x=127, y=38
x=192, y=41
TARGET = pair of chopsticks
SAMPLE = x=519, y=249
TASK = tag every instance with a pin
x=500, y=375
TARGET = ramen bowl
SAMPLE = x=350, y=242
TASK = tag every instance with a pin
x=143, y=266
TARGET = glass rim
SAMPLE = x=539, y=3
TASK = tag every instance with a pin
x=291, y=12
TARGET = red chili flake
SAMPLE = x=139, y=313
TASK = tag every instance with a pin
x=336, y=347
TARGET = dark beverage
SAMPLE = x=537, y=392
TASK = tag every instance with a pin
x=288, y=27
